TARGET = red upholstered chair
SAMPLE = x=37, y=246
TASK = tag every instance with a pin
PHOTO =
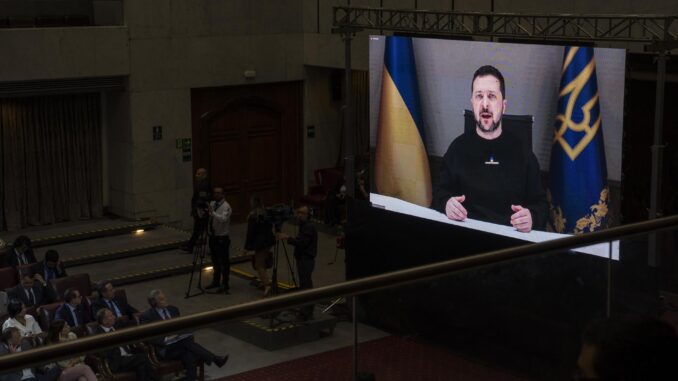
x=27, y=269
x=46, y=314
x=325, y=180
x=80, y=282
x=8, y=278
x=4, y=252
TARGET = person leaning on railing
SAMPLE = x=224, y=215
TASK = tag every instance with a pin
x=13, y=342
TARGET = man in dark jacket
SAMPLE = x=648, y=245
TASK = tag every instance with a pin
x=31, y=291
x=305, y=249
x=121, y=359
x=119, y=307
x=22, y=253
x=73, y=311
x=51, y=267
x=182, y=347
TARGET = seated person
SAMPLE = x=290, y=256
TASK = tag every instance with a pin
x=12, y=342
x=121, y=359
x=73, y=311
x=51, y=267
x=18, y=318
x=32, y=290
x=187, y=350
x=106, y=299
x=22, y=253
x=73, y=368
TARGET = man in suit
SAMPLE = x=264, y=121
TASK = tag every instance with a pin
x=107, y=299
x=73, y=311
x=51, y=267
x=168, y=348
x=121, y=359
x=30, y=292
x=11, y=342
x=22, y=253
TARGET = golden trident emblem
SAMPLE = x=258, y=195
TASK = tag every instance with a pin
x=574, y=88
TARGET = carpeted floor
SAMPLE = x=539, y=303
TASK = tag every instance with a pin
x=389, y=359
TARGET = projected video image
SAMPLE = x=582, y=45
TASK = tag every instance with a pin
x=467, y=129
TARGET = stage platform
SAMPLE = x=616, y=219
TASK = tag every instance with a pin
x=282, y=331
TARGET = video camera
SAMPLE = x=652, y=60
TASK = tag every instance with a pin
x=277, y=214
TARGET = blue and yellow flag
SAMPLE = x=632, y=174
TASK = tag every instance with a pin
x=401, y=165
x=578, y=192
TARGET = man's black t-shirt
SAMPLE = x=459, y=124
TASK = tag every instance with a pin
x=493, y=175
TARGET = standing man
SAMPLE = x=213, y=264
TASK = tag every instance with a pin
x=305, y=249
x=219, y=219
x=201, y=196
x=489, y=174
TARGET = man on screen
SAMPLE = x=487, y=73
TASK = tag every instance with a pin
x=490, y=174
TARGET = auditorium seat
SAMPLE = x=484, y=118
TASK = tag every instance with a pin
x=29, y=269
x=80, y=282
x=325, y=180
x=8, y=278
x=175, y=367
x=4, y=252
x=46, y=314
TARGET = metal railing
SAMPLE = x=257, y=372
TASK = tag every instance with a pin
x=349, y=288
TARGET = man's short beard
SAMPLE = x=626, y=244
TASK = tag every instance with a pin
x=493, y=127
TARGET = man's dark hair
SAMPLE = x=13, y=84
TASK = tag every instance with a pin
x=21, y=241
x=52, y=256
x=14, y=306
x=101, y=314
x=632, y=350
x=7, y=333
x=493, y=71
x=69, y=294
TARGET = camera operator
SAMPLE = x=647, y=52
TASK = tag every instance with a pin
x=218, y=225
x=260, y=239
x=305, y=249
x=202, y=194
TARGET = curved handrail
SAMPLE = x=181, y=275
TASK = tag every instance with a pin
x=348, y=288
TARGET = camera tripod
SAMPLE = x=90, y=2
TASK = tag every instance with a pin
x=198, y=255
x=276, y=259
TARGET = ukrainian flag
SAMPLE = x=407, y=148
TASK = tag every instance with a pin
x=578, y=192
x=401, y=165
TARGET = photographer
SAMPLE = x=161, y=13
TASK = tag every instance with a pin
x=260, y=239
x=218, y=228
x=202, y=194
x=305, y=249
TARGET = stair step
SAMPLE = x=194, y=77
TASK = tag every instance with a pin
x=124, y=253
x=52, y=240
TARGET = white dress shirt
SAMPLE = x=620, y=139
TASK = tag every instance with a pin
x=220, y=220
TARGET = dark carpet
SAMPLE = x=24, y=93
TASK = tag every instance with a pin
x=389, y=359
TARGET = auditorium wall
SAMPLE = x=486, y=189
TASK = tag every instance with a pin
x=168, y=47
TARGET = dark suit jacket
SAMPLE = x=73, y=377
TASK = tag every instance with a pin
x=59, y=270
x=151, y=315
x=112, y=355
x=41, y=297
x=64, y=313
x=13, y=261
x=124, y=308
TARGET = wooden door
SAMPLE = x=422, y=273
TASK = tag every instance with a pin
x=249, y=139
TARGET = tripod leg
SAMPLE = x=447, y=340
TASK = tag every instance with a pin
x=289, y=265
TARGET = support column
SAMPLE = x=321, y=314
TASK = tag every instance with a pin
x=657, y=157
x=349, y=125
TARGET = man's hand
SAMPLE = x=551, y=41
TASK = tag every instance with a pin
x=454, y=210
x=282, y=236
x=38, y=278
x=521, y=219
